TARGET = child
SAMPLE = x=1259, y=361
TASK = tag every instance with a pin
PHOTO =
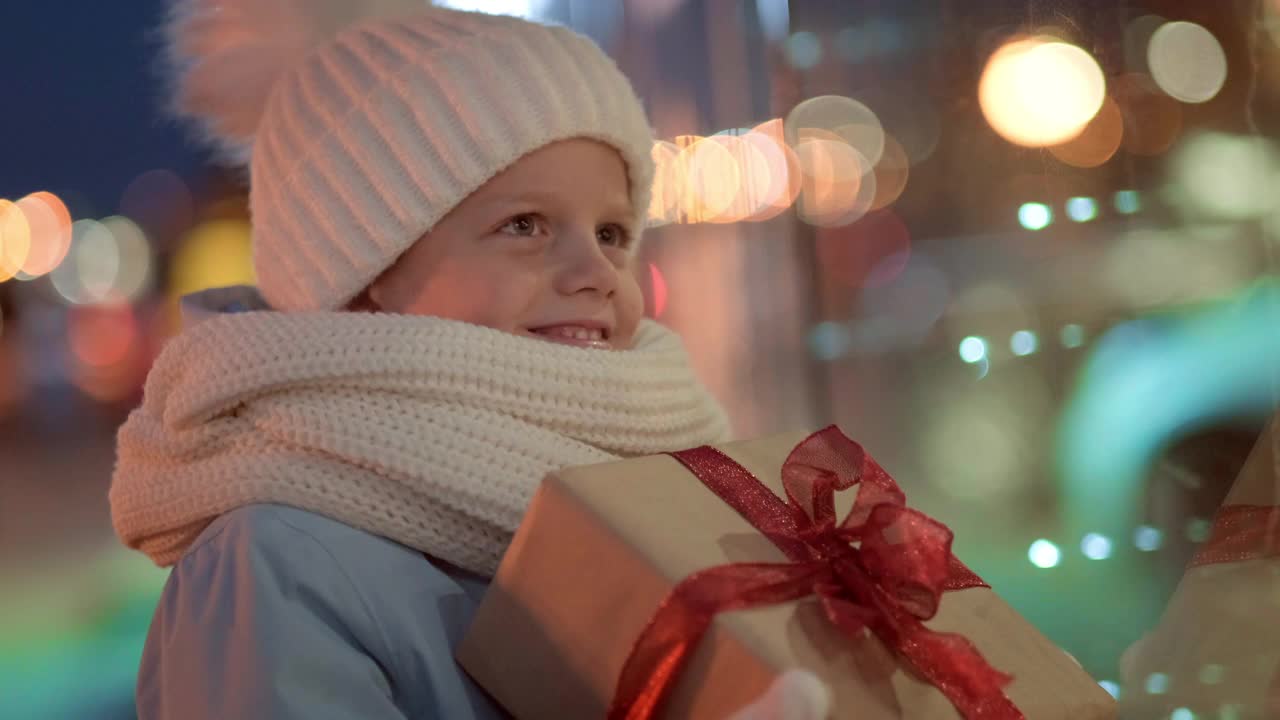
x=446, y=208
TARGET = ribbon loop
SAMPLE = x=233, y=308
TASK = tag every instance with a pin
x=883, y=568
x=909, y=554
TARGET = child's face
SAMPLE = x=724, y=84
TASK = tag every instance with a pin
x=540, y=250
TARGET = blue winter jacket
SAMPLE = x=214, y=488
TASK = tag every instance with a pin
x=276, y=612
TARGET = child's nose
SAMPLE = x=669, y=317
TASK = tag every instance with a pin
x=586, y=267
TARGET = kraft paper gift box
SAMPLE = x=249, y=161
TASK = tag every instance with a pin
x=1216, y=650
x=602, y=546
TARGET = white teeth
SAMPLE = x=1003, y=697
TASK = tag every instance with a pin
x=577, y=333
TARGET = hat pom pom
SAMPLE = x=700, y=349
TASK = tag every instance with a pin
x=224, y=56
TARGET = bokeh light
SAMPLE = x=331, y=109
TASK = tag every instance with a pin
x=1152, y=120
x=1082, y=209
x=1187, y=62
x=1112, y=687
x=101, y=337
x=1035, y=216
x=1198, y=530
x=973, y=349
x=214, y=254
x=1228, y=177
x=769, y=138
x=871, y=252
x=804, y=50
x=846, y=118
x=1128, y=202
x=1044, y=554
x=891, y=174
x=1099, y=140
x=108, y=350
x=15, y=239
x=49, y=225
x=1152, y=268
x=1147, y=538
x=712, y=178
x=757, y=162
x=134, y=277
x=909, y=117
x=829, y=340
x=978, y=439
x=1037, y=92
x=1096, y=546
x=89, y=273
x=1182, y=714
x=836, y=186
x=1023, y=343
x=1071, y=336
x=1156, y=684
x=160, y=202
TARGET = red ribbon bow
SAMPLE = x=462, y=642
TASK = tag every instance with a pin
x=888, y=583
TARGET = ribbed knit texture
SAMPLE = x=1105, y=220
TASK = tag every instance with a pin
x=369, y=137
x=431, y=432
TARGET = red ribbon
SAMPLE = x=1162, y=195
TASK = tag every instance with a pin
x=1240, y=533
x=888, y=583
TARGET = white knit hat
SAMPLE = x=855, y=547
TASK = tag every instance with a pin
x=363, y=124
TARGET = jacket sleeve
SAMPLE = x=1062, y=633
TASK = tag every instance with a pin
x=263, y=623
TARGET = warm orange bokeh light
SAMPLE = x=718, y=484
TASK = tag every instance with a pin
x=750, y=175
x=50, y=232
x=15, y=239
x=891, y=174
x=849, y=120
x=711, y=176
x=102, y=336
x=784, y=169
x=1038, y=92
x=1099, y=141
x=834, y=176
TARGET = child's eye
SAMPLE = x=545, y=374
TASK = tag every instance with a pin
x=615, y=235
x=524, y=225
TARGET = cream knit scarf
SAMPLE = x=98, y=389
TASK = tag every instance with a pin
x=431, y=432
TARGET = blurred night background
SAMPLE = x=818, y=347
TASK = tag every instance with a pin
x=1022, y=250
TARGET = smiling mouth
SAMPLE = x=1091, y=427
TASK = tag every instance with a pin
x=575, y=335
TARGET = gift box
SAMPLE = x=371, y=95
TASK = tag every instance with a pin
x=1216, y=650
x=681, y=585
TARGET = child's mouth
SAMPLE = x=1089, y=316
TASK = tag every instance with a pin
x=578, y=335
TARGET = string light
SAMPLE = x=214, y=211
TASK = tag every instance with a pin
x=1082, y=209
x=1096, y=546
x=1035, y=216
x=1023, y=342
x=1044, y=554
x=1147, y=538
x=1128, y=202
x=973, y=349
